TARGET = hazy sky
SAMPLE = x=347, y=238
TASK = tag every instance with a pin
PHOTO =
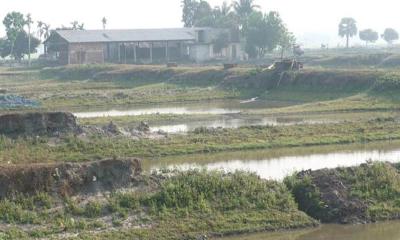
x=306, y=18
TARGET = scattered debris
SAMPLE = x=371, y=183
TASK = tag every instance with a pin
x=13, y=101
x=229, y=65
x=68, y=179
x=249, y=101
x=112, y=129
x=39, y=123
x=143, y=127
x=286, y=65
x=172, y=64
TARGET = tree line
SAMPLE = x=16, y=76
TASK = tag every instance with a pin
x=262, y=31
x=21, y=40
x=348, y=29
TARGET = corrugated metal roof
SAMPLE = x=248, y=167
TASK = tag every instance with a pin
x=134, y=35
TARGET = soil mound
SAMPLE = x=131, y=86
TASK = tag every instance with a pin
x=32, y=124
x=367, y=193
x=68, y=179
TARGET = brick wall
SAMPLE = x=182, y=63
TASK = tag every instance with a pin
x=86, y=53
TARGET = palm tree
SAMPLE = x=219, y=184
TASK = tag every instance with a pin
x=225, y=9
x=348, y=29
x=104, y=21
x=40, y=32
x=244, y=8
x=46, y=30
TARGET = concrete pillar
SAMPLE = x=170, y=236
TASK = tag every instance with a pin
x=151, y=52
x=166, y=52
x=134, y=52
x=119, y=53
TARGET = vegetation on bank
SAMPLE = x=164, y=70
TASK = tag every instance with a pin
x=367, y=193
x=202, y=140
x=74, y=88
x=186, y=205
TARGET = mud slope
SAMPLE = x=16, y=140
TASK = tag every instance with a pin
x=68, y=178
x=363, y=194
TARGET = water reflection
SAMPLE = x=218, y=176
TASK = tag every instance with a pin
x=149, y=111
x=278, y=167
x=213, y=108
x=381, y=231
x=236, y=123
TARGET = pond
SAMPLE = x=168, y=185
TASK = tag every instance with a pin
x=380, y=231
x=277, y=164
x=212, y=108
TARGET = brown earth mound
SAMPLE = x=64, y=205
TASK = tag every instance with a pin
x=38, y=123
x=68, y=179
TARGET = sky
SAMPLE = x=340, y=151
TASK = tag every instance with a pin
x=312, y=21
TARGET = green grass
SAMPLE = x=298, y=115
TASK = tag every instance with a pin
x=72, y=148
x=187, y=204
x=375, y=185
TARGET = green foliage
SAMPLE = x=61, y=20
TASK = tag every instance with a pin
x=390, y=35
x=306, y=194
x=348, y=29
x=11, y=212
x=264, y=33
x=20, y=47
x=14, y=23
x=93, y=209
x=201, y=190
x=387, y=83
x=369, y=36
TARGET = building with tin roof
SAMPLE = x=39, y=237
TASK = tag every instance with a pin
x=141, y=46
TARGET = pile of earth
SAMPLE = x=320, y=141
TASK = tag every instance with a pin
x=38, y=123
x=14, y=101
x=68, y=179
x=141, y=131
x=362, y=194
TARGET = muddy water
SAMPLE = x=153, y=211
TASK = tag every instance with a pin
x=381, y=231
x=236, y=123
x=277, y=164
x=212, y=108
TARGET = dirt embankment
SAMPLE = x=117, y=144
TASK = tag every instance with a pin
x=38, y=123
x=362, y=194
x=239, y=78
x=67, y=179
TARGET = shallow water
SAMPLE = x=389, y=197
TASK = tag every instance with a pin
x=212, y=108
x=381, y=231
x=277, y=166
x=236, y=122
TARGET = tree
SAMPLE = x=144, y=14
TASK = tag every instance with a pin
x=243, y=10
x=189, y=12
x=390, y=35
x=286, y=41
x=264, y=33
x=20, y=48
x=75, y=25
x=43, y=30
x=348, y=29
x=29, y=22
x=14, y=23
x=204, y=15
x=104, y=22
x=369, y=36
